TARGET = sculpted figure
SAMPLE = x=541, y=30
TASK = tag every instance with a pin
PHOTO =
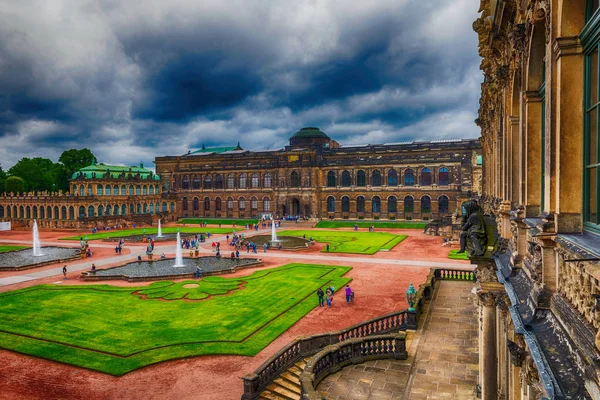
x=473, y=230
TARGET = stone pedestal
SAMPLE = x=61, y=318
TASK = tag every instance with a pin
x=488, y=368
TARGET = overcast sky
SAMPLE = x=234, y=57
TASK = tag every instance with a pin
x=132, y=80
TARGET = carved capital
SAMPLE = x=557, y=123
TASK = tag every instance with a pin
x=488, y=299
x=517, y=353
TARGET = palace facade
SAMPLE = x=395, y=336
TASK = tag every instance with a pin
x=315, y=176
x=101, y=195
x=539, y=298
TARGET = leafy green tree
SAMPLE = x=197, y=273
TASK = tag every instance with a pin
x=69, y=162
x=2, y=180
x=15, y=184
x=39, y=173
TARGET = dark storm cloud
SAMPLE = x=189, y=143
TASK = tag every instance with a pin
x=132, y=81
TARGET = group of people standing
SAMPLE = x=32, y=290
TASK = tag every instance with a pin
x=327, y=296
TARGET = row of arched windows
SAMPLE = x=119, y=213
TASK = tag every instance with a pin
x=56, y=212
x=108, y=190
x=392, y=204
x=242, y=204
x=243, y=181
x=345, y=180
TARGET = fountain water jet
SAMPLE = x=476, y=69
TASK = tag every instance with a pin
x=37, y=250
x=159, y=230
x=178, y=253
x=274, y=241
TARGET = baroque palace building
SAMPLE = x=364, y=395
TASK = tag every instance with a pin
x=314, y=176
x=101, y=195
x=539, y=298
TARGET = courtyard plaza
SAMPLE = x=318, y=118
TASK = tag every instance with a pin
x=379, y=281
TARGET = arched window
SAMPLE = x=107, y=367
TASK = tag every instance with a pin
x=28, y=212
x=107, y=190
x=443, y=177
x=21, y=212
x=35, y=212
x=230, y=181
x=425, y=204
x=151, y=207
x=123, y=209
x=392, y=178
x=100, y=211
x=254, y=181
x=74, y=190
x=56, y=216
x=425, y=177
x=139, y=208
x=90, y=192
x=360, y=204
x=242, y=203
x=392, y=204
x=242, y=181
x=229, y=203
x=108, y=210
x=254, y=203
x=2, y=212
x=81, y=190
x=331, y=179
x=267, y=180
x=151, y=189
x=443, y=206
x=409, y=204
x=207, y=182
x=81, y=212
x=63, y=212
x=131, y=190
x=346, y=180
x=138, y=190
x=164, y=206
x=71, y=213
x=195, y=204
x=361, y=178
x=266, y=204
x=219, y=181
x=185, y=183
x=145, y=208
x=376, y=204
x=184, y=204
x=218, y=204
x=295, y=179
x=115, y=190
x=116, y=209
x=123, y=190
x=195, y=182
x=132, y=209
x=90, y=211
x=409, y=177
x=376, y=180
x=206, y=204
x=345, y=204
x=330, y=204
x=145, y=190
x=172, y=206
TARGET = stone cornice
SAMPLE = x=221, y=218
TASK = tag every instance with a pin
x=532, y=96
x=566, y=46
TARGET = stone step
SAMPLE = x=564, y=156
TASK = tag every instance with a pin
x=288, y=385
x=295, y=371
x=268, y=395
x=280, y=390
x=291, y=377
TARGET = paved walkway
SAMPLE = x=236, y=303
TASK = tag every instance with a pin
x=442, y=362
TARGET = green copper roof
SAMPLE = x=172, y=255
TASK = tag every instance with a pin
x=310, y=133
x=217, y=150
x=479, y=160
x=115, y=171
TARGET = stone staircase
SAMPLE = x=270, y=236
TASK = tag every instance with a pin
x=287, y=385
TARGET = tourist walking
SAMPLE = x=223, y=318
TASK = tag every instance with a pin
x=349, y=296
x=321, y=296
x=329, y=297
x=65, y=272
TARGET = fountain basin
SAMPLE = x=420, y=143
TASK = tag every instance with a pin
x=287, y=242
x=24, y=259
x=139, y=238
x=163, y=269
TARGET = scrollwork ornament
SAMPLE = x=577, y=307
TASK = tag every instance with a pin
x=488, y=299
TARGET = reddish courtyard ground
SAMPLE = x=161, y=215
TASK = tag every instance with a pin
x=379, y=289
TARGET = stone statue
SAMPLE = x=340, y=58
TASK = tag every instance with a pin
x=473, y=232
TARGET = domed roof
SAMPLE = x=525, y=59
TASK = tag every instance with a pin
x=310, y=133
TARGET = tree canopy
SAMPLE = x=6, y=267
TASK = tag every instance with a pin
x=15, y=184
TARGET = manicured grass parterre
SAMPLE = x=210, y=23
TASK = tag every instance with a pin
x=366, y=224
x=455, y=255
x=147, y=231
x=119, y=329
x=4, y=249
x=214, y=221
x=350, y=242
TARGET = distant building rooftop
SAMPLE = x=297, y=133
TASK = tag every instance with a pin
x=115, y=171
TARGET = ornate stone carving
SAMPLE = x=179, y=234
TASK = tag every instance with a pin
x=485, y=274
x=517, y=353
x=516, y=37
x=488, y=299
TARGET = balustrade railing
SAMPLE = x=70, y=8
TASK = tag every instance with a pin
x=303, y=347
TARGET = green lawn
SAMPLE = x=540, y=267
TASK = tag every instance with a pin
x=455, y=255
x=350, y=242
x=4, y=249
x=148, y=231
x=366, y=224
x=216, y=221
x=119, y=329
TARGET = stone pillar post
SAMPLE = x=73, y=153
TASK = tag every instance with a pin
x=501, y=314
x=533, y=153
x=505, y=219
x=488, y=368
x=549, y=266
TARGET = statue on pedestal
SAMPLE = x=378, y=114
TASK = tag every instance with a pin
x=473, y=233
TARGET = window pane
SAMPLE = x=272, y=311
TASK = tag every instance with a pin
x=593, y=74
x=593, y=195
x=593, y=143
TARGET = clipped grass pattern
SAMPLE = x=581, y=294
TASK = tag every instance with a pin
x=366, y=224
x=350, y=242
x=147, y=231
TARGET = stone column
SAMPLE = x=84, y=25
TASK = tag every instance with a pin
x=501, y=329
x=533, y=153
x=488, y=368
x=514, y=172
